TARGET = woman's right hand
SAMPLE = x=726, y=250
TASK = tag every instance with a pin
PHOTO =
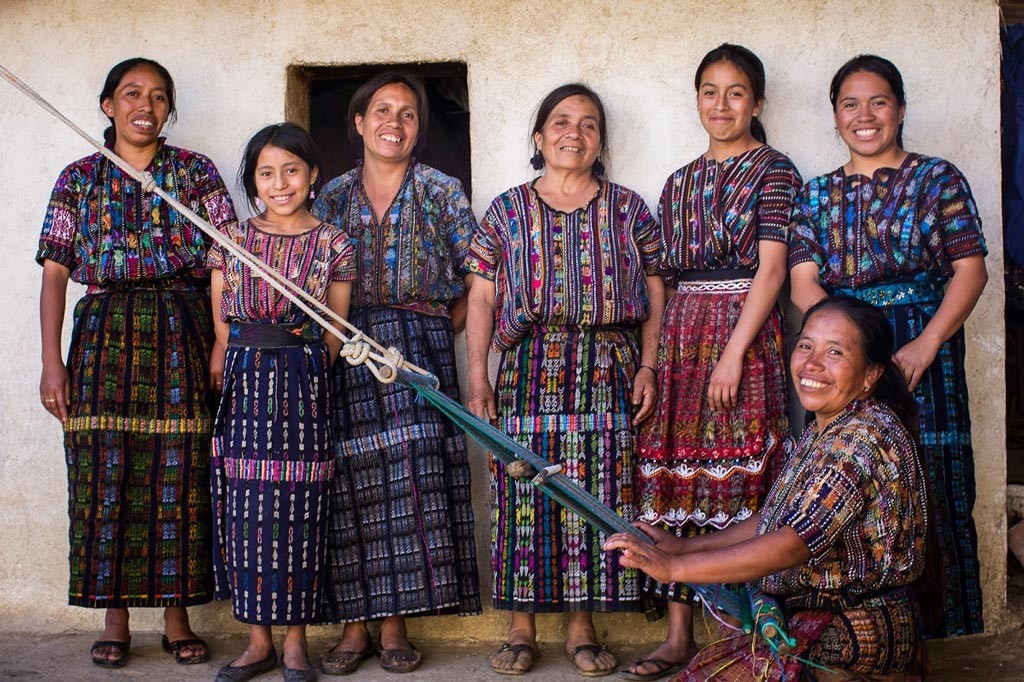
x=55, y=389
x=217, y=366
x=481, y=398
x=668, y=542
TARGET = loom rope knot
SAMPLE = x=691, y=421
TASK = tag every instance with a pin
x=390, y=361
x=148, y=182
x=356, y=350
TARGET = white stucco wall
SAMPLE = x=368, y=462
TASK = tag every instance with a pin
x=229, y=61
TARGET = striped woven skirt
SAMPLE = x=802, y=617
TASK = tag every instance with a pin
x=945, y=438
x=699, y=469
x=137, y=444
x=875, y=640
x=565, y=394
x=272, y=469
x=401, y=536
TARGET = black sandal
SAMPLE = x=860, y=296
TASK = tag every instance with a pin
x=104, y=662
x=174, y=648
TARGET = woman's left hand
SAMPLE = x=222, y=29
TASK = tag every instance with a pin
x=646, y=556
x=645, y=393
x=915, y=358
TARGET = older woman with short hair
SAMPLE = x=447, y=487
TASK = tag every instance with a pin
x=566, y=289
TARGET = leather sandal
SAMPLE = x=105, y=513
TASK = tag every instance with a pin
x=593, y=650
x=663, y=668
x=174, y=648
x=400, y=659
x=517, y=651
x=344, y=662
x=104, y=662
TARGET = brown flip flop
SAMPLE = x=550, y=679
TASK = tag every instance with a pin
x=517, y=651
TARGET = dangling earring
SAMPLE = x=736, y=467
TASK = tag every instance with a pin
x=537, y=160
x=260, y=206
x=312, y=194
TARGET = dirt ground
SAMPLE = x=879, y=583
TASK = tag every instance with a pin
x=64, y=658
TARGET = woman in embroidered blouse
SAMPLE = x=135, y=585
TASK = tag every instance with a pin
x=900, y=230
x=134, y=395
x=841, y=534
x=707, y=455
x=566, y=283
x=401, y=538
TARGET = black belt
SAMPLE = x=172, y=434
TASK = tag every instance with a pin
x=255, y=335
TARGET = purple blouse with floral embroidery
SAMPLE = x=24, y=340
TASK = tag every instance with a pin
x=103, y=227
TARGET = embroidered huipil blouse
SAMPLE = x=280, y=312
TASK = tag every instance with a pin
x=855, y=495
x=103, y=227
x=713, y=214
x=584, y=268
x=902, y=225
x=413, y=258
x=311, y=259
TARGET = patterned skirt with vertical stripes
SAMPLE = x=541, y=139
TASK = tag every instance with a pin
x=401, y=536
x=564, y=392
x=272, y=470
x=137, y=444
x=945, y=438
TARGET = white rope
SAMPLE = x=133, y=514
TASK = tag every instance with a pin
x=382, y=362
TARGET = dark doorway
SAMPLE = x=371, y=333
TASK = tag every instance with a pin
x=331, y=88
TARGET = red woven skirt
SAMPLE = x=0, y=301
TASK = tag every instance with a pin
x=697, y=466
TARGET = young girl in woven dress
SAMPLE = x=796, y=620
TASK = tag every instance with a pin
x=707, y=455
x=272, y=461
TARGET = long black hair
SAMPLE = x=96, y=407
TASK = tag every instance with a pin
x=287, y=136
x=880, y=66
x=553, y=99
x=877, y=342
x=747, y=62
x=360, y=102
x=117, y=74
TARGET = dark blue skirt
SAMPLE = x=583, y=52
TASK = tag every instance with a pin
x=945, y=438
x=272, y=467
x=401, y=539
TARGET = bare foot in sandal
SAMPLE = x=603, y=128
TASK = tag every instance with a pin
x=668, y=658
x=590, y=658
x=514, y=659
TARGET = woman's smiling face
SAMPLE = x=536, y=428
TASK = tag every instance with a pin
x=828, y=365
x=867, y=115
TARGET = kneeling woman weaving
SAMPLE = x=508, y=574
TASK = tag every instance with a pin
x=841, y=535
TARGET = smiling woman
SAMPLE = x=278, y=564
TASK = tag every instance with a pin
x=565, y=287
x=901, y=230
x=138, y=468
x=840, y=538
x=401, y=537
x=712, y=447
